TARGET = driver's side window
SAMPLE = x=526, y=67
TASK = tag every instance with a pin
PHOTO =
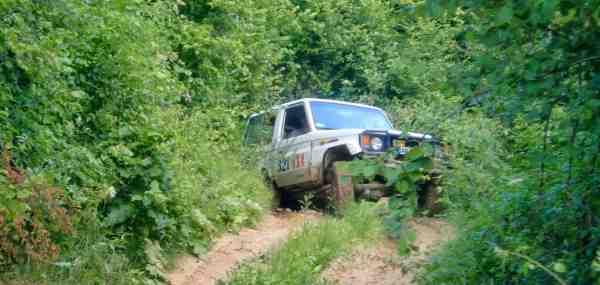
x=295, y=123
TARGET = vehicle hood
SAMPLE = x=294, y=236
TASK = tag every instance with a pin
x=350, y=132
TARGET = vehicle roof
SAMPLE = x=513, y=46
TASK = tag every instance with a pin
x=308, y=100
x=325, y=100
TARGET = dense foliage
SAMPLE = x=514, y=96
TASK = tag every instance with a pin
x=121, y=123
x=103, y=149
x=534, y=68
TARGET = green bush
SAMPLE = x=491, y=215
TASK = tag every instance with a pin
x=476, y=151
x=543, y=89
x=211, y=191
x=90, y=101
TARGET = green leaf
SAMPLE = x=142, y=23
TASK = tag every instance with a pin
x=505, y=15
x=403, y=247
x=548, y=8
x=15, y=208
x=559, y=267
x=403, y=186
x=594, y=103
x=154, y=186
x=118, y=215
x=405, y=242
x=199, y=250
x=391, y=175
x=414, y=153
x=371, y=170
x=411, y=235
x=23, y=194
x=356, y=167
x=433, y=8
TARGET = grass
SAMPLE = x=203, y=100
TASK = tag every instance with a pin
x=310, y=250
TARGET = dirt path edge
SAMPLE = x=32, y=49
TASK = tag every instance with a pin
x=380, y=264
x=232, y=249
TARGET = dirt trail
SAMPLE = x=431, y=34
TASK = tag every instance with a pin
x=381, y=264
x=233, y=249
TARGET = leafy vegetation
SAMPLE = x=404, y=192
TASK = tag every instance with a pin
x=104, y=149
x=121, y=124
x=409, y=182
x=532, y=69
x=308, y=252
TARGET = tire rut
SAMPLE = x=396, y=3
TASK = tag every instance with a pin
x=232, y=249
x=381, y=264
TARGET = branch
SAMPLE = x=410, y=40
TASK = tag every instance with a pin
x=571, y=153
x=563, y=68
x=543, y=164
x=534, y=262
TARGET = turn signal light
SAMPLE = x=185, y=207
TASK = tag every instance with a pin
x=365, y=140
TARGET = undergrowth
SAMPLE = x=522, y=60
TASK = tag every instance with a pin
x=210, y=193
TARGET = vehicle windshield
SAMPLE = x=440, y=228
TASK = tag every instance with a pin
x=331, y=116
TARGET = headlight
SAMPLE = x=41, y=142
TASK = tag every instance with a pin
x=376, y=144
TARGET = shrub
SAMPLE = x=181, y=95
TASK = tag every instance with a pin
x=33, y=216
x=86, y=93
x=34, y=219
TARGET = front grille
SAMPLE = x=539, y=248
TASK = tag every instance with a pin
x=402, y=147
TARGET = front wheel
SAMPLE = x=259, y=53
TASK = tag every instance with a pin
x=341, y=192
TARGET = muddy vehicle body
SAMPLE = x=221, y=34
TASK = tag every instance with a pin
x=301, y=142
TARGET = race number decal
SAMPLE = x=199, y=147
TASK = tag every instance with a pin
x=284, y=165
x=299, y=161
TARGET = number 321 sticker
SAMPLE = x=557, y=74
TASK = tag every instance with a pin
x=298, y=162
x=284, y=165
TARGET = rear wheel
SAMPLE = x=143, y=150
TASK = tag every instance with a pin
x=271, y=186
x=429, y=196
x=277, y=196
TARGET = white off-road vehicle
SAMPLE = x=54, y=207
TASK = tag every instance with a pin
x=300, y=142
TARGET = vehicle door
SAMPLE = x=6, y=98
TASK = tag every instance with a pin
x=258, y=139
x=292, y=148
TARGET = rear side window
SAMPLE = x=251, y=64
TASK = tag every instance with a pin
x=296, y=122
x=260, y=130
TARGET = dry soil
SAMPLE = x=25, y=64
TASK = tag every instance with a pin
x=233, y=249
x=381, y=264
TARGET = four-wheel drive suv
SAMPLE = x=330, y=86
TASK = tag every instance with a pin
x=300, y=142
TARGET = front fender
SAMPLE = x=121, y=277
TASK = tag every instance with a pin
x=321, y=146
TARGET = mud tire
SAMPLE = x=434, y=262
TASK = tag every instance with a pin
x=277, y=196
x=430, y=195
x=277, y=200
x=342, y=189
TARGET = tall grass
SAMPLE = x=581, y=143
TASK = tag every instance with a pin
x=89, y=257
x=308, y=252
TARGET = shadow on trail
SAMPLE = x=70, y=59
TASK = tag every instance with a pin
x=307, y=200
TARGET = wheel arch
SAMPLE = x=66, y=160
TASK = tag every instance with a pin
x=333, y=154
